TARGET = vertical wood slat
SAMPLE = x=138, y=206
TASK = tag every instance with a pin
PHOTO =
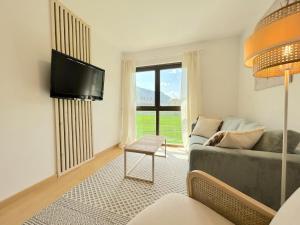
x=67, y=150
x=84, y=43
x=73, y=127
x=70, y=34
x=90, y=129
x=77, y=119
x=62, y=138
x=79, y=40
x=88, y=41
x=66, y=34
x=56, y=109
x=80, y=130
x=77, y=133
x=84, y=130
x=59, y=102
x=86, y=105
x=64, y=102
x=78, y=34
x=87, y=129
x=82, y=103
x=74, y=150
x=62, y=30
x=74, y=37
x=73, y=119
x=68, y=118
x=70, y=130
x=89, y=45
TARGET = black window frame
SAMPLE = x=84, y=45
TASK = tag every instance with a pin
x=157, y=107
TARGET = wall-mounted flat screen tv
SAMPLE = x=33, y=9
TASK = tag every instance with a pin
x=75, y=79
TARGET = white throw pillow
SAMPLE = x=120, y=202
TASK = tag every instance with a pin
x=206, y=127
x=241, y=139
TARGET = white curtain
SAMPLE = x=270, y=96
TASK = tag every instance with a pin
x=128, y=130
x=191, y=92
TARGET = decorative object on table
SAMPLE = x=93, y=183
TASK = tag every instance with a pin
x=273, y=50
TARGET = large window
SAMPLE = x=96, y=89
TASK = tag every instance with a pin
x=158, y=92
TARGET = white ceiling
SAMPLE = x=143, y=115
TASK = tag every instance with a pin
x=134, y=25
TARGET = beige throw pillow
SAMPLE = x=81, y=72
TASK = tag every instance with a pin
x=206, y=127
x=215, y=139
x=241, y=139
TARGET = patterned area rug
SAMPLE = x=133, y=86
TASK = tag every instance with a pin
x=105, y=198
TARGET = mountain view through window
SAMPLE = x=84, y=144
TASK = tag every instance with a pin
x=158, y=93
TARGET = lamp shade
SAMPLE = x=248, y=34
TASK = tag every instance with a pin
x=275, y=44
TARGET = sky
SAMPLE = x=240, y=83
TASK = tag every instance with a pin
x=170, y=81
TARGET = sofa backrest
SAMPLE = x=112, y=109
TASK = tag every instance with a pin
x=239, y=124
x=271, y=141
x=231, y=123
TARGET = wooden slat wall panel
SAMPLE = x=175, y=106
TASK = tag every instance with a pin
x=73, y=119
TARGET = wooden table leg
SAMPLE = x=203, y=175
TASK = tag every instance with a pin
x=125, y=162
x=153, y=168
x=165, y=148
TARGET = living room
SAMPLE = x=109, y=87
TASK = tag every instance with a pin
x=172, y=94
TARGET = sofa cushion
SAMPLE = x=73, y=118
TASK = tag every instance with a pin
x=206, y=127
x=241, y=139
x=215, y=139
x=177, y=209
x=231, y=123
x=197, y=140
x=248, y=125
x=288, y=214
x=272, y=141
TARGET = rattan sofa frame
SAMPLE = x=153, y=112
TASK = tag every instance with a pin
x=235, y=206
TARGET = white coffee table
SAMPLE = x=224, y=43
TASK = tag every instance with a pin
x=147, y=145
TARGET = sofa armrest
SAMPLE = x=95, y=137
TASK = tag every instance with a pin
x=227, y=201
x=254, y=173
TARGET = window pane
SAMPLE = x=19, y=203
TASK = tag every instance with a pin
x=145, y=88
x=170, y=126
x=145, y=123
x=170, y=87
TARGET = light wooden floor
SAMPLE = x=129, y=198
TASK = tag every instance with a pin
x=22, y=208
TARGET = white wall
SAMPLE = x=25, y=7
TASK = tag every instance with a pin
x=219, y=71
x=266, y=106
x=27, y=149
x=107, y=113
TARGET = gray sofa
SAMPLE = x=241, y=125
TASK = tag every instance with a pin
x=255, y=172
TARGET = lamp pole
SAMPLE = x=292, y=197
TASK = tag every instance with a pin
x=284, y=142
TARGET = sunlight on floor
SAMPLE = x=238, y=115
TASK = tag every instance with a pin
x=180, y=152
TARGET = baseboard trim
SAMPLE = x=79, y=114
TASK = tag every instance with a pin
x=46, y=181
x=28, y=190
x=105, y=150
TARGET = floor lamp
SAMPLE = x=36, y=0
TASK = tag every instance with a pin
x=274, y=50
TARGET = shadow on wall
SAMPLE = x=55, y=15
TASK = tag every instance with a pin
x=44, y=69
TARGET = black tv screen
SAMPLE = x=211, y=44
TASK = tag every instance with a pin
x=75, y=79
